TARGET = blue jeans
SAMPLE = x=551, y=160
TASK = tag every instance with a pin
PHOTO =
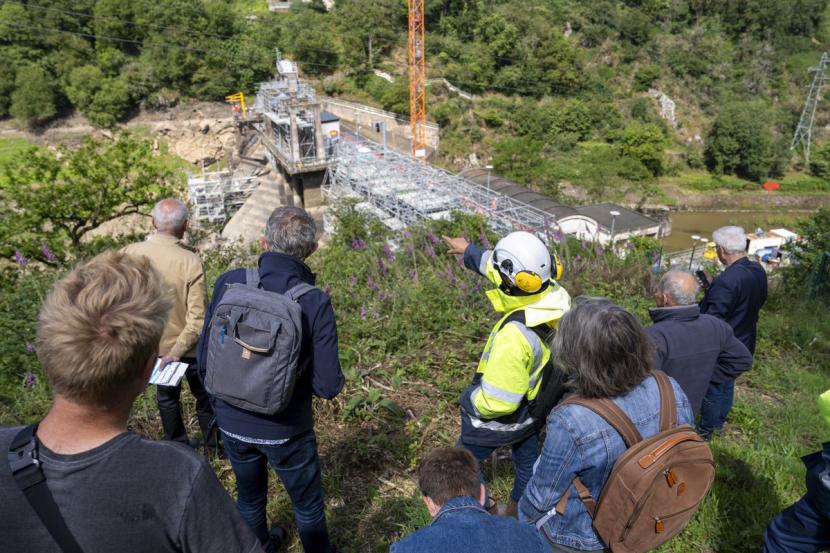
x=799, y=528
x=298, y=467
x=524, y=456
x=715, y=408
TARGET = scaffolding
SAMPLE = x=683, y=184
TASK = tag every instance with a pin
x=217, y=195
x=287, y=117
x=401, y=191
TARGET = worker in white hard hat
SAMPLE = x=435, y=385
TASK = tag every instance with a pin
x=515, y=384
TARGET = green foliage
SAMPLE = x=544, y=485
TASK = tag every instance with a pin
x=645, y=77
x=104, y=100
x=740, y=141
x=815, y=235
x=820, y=161
x=646, y=144
x=56, y=198
x=33, y=100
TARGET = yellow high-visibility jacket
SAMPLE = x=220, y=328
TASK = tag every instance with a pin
x=513, y=358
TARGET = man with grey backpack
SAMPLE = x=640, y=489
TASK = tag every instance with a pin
x=269, y=343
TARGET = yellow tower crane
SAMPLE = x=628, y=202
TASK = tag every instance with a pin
x=417, y=79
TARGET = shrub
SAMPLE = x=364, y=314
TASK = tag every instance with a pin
x=740, y=141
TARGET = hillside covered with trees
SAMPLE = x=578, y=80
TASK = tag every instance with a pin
x=562, y=86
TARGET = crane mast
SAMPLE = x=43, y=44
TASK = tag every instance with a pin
x=417, y=79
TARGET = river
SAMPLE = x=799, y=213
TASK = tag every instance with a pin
x=702, y=223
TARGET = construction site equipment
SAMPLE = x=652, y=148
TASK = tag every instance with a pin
x=401, y=190
x=238, y=102
x=417, y=79
x=287, y=118
x=804, y=132
x=217, y=195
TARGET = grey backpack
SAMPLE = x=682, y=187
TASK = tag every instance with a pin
x=253, y=356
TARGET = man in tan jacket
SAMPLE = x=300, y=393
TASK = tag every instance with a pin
x=182, y=269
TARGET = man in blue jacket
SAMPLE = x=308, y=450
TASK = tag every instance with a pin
x=693, y=348
x=285, y=440
x=449, y=482
x=736, y=296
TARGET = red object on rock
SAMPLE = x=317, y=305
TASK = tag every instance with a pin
x=771, y=185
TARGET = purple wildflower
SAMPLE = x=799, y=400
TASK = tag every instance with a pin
x=432, y=238
x=382, y=296
x=406, y=234
x=413, y=274
x=372, y=284
x=430, y=251
x=47, y=253
x=362, y=313
x=477, y=287
x=582, y=244
x=354, y=280
x=376, y=313
x=381, y=267
x=354, y=244
x=19, y=258
x=459, y=261
x=557, y=236
x=629, y=245
x=327, y=290
x=361, y=244
x=30, y=348
x=30, y=380
x=388, y=251
x=483, y=237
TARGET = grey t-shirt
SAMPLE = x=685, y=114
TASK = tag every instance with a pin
x=128, y=495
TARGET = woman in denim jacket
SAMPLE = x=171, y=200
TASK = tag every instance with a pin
x=606, y=354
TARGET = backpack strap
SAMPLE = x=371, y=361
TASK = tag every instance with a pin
x=27, y=472
x=612, y=414
x=298, y=290
x=252, y=277
x=668, y=402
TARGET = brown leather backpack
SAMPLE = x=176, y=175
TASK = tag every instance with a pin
x=655, y=486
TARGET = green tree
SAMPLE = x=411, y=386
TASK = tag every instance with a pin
x=58, y=197
x=367, y=28
x=820, y=161
x=740, y=141
x=104, y=100
x=645, y=143
x=34, y=98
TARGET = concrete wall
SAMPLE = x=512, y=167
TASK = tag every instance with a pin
x=396, y=124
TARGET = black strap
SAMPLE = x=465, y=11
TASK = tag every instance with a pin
x=27, y=472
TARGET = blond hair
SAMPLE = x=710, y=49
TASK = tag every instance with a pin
x=98, y=327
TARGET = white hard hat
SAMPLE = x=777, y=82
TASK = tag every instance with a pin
x=524, y=260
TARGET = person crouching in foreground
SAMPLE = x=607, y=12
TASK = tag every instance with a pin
x=449, y=482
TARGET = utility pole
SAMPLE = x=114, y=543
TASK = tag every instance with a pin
x=804, y=132
x=417, y=79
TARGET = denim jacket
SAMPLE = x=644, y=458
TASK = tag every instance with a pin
x=580, y=443
x=462, y=526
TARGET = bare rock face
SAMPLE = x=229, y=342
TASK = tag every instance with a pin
x=204, y=143
x=667, y=106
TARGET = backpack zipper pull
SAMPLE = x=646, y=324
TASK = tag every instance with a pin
x=671, y=479
x=659, y=527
